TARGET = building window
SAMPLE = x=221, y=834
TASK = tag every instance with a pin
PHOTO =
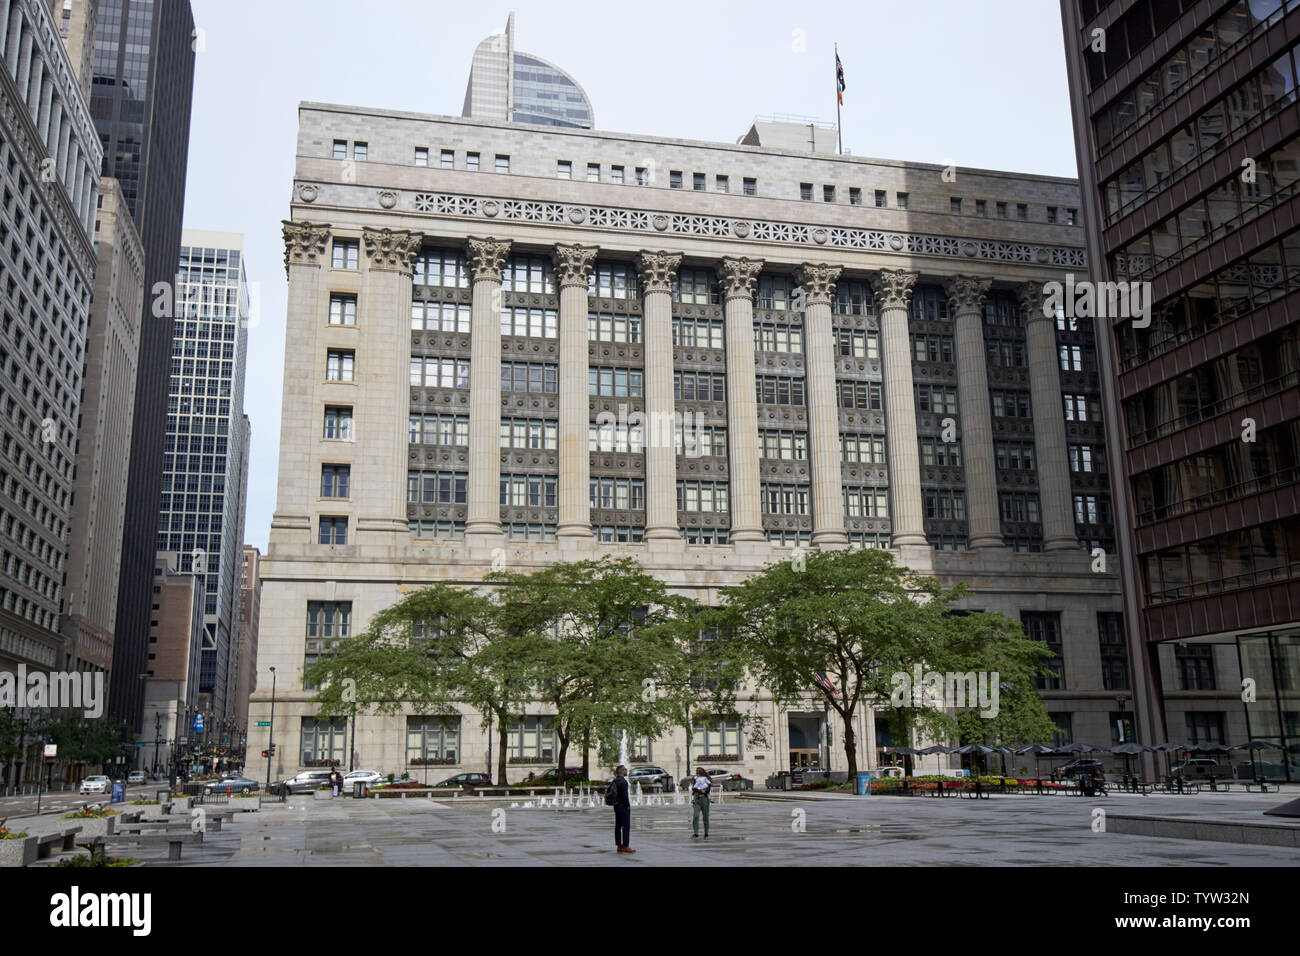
x=779, y=390
x=1081, y=408
x=855, y=196
x=334, y=481
x=503, y=163
x=775, y=292
x=751, y=186
x=1022, y=210
x=1001, y=210
x=698, y=333
x=338, y=422
x=721, y=184
x=615, y=382
x=441, y=268
x=446, y=430
x=531, y=740
x=563, y=169
x=1071, y=217
x=448, y=159
x=786, y=339
x=529, y=323
x=1051, y=214
x=621, y=494
x=943, y=454
x=706, y=496
x=339, y=365
x=788, y=445
x=698, y=441
x=343, y=309
x=675, y=179
x=593, y=172
x=359, y=151
x=346, y=253
x=1204, y=727
x=436, y=487
x=1046, y=627
x=1087, y=459
x=944, y=504
x=699, y=182
x=536, y=377
x=615, y=437
x=855, y=343
x=828, y=194
x=867, y=449
x=422, y=156
x=900, y=200
x=866, y=502
x=784, y=499
x=471, y=161
x=1071, y=357
x=441, y=316
x=324, y=742
x=340, y=149
x=537, y=433
x=1019, y=507
x=333, y=530
x=642, y=177
x=616, y=174
x=862, y=395
x=604, y=327
x=612, y=281
x=717, y=741
x=938, y=399
x=1015, y=456
x=439, y=372
x=882, y=199
x=1195, y=666
x=954, y=205
x=805, y=190
x=1114, y=651
x=432, y=740
x=529, y=491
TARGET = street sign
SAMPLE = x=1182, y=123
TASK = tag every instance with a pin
x=142, y=744
x=198, y=723
x=264, y=723
x=51, y=750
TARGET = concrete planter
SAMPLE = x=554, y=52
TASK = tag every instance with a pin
x=181, y=805
x=322, y=794
x=20, y=852
x=245, y=804
x=153, y=812
x=94, y=827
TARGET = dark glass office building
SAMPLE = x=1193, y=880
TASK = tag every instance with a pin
x=1186, y=119
x=140, y=100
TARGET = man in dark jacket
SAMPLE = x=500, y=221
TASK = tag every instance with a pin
x=622, y=811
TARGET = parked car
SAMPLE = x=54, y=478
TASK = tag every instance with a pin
x=650, y=778
x=97, y=784
x=306, y=782
x=233, y=784
x=551, y=777
x=1077, y=768
x=1199, y=768
x=136, y=777
x=718, y=776
x=368, y=777
x=466, y=780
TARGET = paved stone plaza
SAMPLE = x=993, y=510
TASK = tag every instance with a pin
x=755, y=831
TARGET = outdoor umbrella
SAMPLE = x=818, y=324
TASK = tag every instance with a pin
x=972, y=749
x=937, y=749
x=1037, y=750
x=1168, y=749
x=1129, y=750
x=1209, y=748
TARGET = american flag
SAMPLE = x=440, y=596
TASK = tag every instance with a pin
x=825, y=684
x=839, y=78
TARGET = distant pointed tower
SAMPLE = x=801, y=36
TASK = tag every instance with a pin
x=505, y=84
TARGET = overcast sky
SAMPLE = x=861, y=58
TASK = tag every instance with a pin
x=977, y=82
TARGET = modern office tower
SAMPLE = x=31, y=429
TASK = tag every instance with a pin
x=1186, y=120
x=176, y=623
x=49, y=168
x=467, y=343
x=104, y=431
x=250, y=610
x=508, y=85
x=200, y=525
x=142, y=85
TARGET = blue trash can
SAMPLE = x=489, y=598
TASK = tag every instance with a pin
x=119, y=792
x=863, y=788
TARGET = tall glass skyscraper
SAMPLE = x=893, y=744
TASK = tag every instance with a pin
x=204, y=478
x=140, y=101
x=505, y=84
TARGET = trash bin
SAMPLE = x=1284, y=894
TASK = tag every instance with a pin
x=119, y=792
x=162, y=796
x=359, y=790
x=862, y=785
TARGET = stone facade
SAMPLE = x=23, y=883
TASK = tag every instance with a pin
x=819, y=346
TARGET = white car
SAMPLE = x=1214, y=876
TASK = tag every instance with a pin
x=368, y=777
x=137, y=777
x=100, y=784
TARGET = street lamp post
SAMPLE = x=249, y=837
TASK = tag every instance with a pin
x=270, y=748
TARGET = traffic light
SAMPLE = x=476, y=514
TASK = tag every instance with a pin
x=265, y=754
x=272, y=750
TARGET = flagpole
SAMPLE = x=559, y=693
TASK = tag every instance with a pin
x=839, y=133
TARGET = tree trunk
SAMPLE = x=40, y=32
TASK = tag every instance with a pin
x=504, y=740
x=564, y=753
x=850, y=745
x=586, y=753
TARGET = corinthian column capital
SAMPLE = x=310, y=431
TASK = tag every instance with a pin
x=817, y=281
x=967, y=293
x=392, y=250
x=658, y=270
x=487, y=257
x=1032, y=297
x=572, y=264
x=893, y=288
x=304, y=242
x=738, y=275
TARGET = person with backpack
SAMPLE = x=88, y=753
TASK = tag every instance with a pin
x=700, y=802
x=616, y=796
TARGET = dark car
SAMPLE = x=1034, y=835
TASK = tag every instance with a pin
x=551, y=777
x=466, y=780
x=1077, y=768
x=306, y=782
x=233, y=784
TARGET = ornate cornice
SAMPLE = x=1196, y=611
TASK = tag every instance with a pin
x=893, y=288
x=817, y=279
x=487, y=257
x=572, y=264
x=304, y=243
x=737, y=275
x=392, y=250
x=1032, y=297
x=658, y=270
x=967, y=293
x=725, y=228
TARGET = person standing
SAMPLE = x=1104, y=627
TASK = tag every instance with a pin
x=336, y=780
x=622, y=811
x=700, y=788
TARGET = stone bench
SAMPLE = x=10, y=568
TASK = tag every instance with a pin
x=174, y=841
x=25, y=851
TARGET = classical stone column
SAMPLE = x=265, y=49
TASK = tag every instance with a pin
x=738, y=276
x=893, y=291
x=658, y=270
x=1055, y=503
x=304, y=369
x=383, y=370
x=572, y=267
x=487, y=260
x=966, y=297
x=818, y=284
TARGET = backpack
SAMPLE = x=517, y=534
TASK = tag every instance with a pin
x=611, y=793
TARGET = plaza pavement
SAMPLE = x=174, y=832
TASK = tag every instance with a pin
x=746, y=831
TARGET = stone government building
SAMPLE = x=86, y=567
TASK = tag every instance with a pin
x=819, y=316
